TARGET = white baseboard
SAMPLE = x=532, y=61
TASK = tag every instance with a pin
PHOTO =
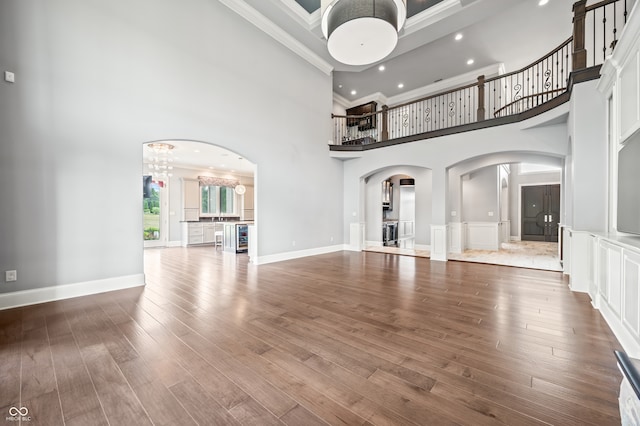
x=373, y=244
x=279, y=257
x=68, y=291
x=422, y=247
x=174, y=243
x=516, y=238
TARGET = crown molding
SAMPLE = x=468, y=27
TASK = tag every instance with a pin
x=267, y=26
x=341, y=100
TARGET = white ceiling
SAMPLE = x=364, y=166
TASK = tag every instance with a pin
x=509, y=32
x=202, y=156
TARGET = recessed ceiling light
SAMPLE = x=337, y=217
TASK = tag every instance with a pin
x=400, y=86
x=353, y=92
x=458, y=37
x=339, y=86
x=543, y=2
x=381, y=68
x=470, y=62
x=196, y=150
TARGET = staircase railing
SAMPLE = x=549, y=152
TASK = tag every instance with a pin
x=596, y=30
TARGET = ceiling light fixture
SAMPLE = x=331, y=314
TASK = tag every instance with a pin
x=158, y=163
x=353, y=92
x=458, y=37
x=543, y=2
x=470, y=62
x=381, y=68
x=400, y=86
x=361, y=32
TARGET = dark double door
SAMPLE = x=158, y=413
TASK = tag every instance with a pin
x=540, y=213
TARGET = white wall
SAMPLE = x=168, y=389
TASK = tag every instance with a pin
x=589, y=159
x=480, y=195
x=97, y=79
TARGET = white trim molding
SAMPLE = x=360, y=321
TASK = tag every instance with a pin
x=263, y=23
x=290, y=255
x=439, y=242
x=68, y=291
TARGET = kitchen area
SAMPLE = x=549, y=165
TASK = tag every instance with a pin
x=398, y=212
x=197, y=195
x=216, y=212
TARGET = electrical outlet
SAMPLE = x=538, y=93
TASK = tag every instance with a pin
x=10, y=276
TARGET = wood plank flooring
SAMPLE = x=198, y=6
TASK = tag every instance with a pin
x=343, y=339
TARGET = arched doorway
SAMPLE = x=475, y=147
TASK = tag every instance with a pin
x=179, y=209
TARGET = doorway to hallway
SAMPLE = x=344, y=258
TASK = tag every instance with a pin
x=540, y=213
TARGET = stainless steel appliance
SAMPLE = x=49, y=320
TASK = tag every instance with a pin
x=390, y=233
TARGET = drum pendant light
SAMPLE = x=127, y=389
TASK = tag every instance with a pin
x=361, y=32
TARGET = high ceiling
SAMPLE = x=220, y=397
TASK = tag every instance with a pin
x=509, y=32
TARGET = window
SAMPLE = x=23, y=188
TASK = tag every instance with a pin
x=227, y=195
x=208, y=199
x=217, y=200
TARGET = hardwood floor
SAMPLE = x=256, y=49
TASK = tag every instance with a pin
x=344, y=338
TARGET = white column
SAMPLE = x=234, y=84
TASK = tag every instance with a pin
x=439, y=229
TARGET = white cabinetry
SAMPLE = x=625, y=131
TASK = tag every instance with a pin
x=192, y=233
x=190, y=199
x=631, y=281
x=608, y=267
x=209, y=233
x=248, y=204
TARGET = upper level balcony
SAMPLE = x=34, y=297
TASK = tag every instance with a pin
x=502, y=99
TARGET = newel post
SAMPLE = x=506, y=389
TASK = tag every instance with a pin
x=579, y=52
x=481, y=112
x=385, y=131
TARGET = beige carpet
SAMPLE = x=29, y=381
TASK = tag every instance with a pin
x=525, y=254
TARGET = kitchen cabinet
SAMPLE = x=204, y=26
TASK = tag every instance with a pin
x=192, y=233
x=209, y=233
x=190, y=199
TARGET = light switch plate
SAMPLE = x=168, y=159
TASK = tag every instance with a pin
x=10, y=276
x=9, y=77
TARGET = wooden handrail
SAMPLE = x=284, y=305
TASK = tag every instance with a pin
x=548, y=92
x=533, y=64
x=598, y=5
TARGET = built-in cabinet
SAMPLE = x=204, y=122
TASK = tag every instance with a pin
x=190, y=199
x=194, y=233
x=607, y=267
x=615, y=266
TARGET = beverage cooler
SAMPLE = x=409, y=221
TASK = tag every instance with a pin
x=236, y=237
x=242, y=238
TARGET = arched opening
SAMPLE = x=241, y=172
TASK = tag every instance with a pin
x=397, y=210
x=191, y=189
x=496, y=201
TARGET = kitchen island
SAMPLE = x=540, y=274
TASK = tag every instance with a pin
x=236, y=236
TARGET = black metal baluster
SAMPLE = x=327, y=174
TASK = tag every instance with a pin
x=604, y=33
x=594, y=38
x=625, y=11
x=615, y=28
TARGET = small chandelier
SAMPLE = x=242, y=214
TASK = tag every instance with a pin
x=361, y=32
x=159, y=163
